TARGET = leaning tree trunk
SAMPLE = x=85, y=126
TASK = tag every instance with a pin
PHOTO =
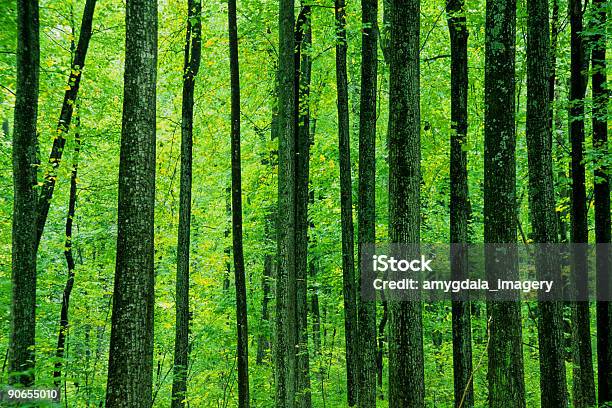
x=130, y=366
x=21, y=355
x=460, y=202
x=505, y=374
x=406, y=365
x=542, y=205
x=602, y=203
x=63, y=125
x=584, y=383
x=190, y=70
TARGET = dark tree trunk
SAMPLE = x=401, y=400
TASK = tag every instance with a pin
x=505, y=374
x=406, y=366
x=460, y=202
x=286, y=323
x=63, y=125
x=602, y=203
x=542, y=204
x=191, y=66
x=303, y=67
x=346, y=204
x=242, y=352
x=21, y=354
x=366, y=310
x=72, y=198
x=584, y=383
x=130, y=365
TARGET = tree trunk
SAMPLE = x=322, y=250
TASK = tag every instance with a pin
x=602, y=203
x=460, y=202
x=505, y=374
x=191, y=66
x=584, y=387
x=23, y=272
x=72, y=198
x=242, y=352
x=553, y=387
x=406, y=366
x=346, y=204
x=131, y=344
x=366, y=310
x=63, y=125
x=286, y=323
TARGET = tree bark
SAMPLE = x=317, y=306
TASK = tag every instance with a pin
x=460, y=202
x=602, y=202
x=130, y=366
x=21, y=356
x=191, y=65
x=505, y=374
x=542, y=204
x=406, y=365
x=63, y=125
x=366, y=202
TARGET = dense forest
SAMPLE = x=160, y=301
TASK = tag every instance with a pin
x=188, y=188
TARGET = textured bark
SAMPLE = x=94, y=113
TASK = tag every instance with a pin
x=242, y=352
x=602, y=203
x=63, y=125
x=286, y=323
x=366, y=310
x=72, y=198
x=131, y=344
x=460, y=202
x=505, y=374
x=584, y=383
x=191, y=66
x=346, y=204
x=303, y=67
x=406, y=366
x=21, y=353
x=542, y=203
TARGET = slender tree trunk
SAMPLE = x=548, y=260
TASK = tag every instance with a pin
x=406, y=366
x=542, y=204
x=602, y=203
x=505, y=374
x=366, y=310
x=228, y=248
x=286, y=323
x=263, y=344
x=584, y=386
x=130, y=366
x=72, y=198
x=63, y=125
x=191, y=66
x=242, y=351
x=346, y=204
x=21, y=354
x=460, y=202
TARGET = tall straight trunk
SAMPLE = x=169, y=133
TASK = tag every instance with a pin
x=602, y=203
x=303, y=67
x=542, y=203
x=286, y=323
x=366, y=205
x=63, y=125
x=346, y=204
x=460, y=202
x=21, y=354
x=191, y=66
x=406, y=366
x=130, y=366
x=584, y=383
x=505, y=374
x=242, y=352
x=68, y=254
